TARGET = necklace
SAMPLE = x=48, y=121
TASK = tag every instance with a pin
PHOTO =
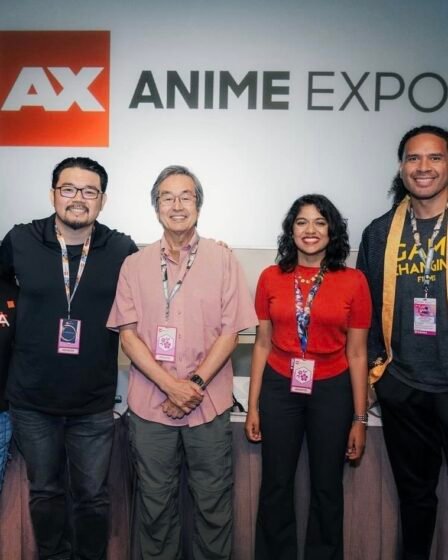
x=303, y=280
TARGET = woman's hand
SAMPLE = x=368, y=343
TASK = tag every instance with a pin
x=356, y=441
x=252, y=426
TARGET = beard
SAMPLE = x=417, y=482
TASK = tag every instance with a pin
x=76, y=222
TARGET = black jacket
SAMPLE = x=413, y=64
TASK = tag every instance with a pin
x=39, y=377
x=8, y=304
x=371, y=261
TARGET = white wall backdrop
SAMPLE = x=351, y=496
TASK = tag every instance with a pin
x=252, y=162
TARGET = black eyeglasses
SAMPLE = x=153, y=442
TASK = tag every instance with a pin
x=69, y=191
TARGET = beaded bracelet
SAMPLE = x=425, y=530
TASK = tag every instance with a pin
x=363, y=418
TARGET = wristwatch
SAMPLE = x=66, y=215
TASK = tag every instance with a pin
x=198, y=380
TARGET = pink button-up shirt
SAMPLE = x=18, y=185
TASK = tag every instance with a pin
x=213, y=300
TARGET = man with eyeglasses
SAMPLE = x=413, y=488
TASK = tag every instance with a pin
x=179, y=306
x=62, y=377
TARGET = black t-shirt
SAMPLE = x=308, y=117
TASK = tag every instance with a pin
x=40, y=378
x=8, y=304
x=420, y=361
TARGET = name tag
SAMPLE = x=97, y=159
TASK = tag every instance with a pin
x=302, y=376
x=166, y=344
x=69, y=337
x=425, y=316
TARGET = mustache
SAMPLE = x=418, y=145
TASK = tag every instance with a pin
x=76, y=206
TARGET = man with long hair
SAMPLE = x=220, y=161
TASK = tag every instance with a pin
x=404, y=256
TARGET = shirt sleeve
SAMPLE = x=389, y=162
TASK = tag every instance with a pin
x=361, y=308
x=132, y=248
x=123, y=310
x=262, y=297
x=236, y=302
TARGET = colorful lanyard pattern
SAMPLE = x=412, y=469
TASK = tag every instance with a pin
x=426, y=258
x=66, y=270
x=303, y=312
x=164, y=268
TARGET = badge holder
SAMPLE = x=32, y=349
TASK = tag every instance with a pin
x=425, y=316
x=69, y=336
x=302, y=376
x=166, y=344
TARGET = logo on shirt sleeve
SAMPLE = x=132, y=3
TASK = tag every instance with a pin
x=3, y=320
x=54, y=88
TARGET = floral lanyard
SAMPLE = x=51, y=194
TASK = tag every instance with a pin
x=164, y=268
x=66, y=270
x=425, y=258
x=303, y=312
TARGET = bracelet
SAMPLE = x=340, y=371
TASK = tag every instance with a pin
x=363, y=418
x=195, y=378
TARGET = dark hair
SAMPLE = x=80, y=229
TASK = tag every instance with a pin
x=338, y=247
x=398, y=189
x=81, y=163
x=176, y=170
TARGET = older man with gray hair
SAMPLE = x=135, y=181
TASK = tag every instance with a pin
x=180, y=304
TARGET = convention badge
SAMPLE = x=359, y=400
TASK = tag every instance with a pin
x=69, y=336
x=302, y=376
x=166, y=344
x=425, y=316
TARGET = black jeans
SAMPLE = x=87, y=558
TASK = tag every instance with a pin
x=415, y=427
x=54, y=446
x=325, y=419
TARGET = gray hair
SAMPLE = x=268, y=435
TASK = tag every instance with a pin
x=176, y=170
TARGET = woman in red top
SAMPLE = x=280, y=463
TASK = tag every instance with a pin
x=308, y=378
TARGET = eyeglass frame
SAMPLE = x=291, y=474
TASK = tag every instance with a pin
x=78, y=189
x=177, y=197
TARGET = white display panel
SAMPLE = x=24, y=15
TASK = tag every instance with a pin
x=253, y=162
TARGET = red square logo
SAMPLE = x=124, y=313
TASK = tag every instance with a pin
x=54, y=88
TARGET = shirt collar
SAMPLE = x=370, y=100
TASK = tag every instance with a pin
x=187, y=247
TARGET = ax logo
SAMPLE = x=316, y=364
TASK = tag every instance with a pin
x=54, y=89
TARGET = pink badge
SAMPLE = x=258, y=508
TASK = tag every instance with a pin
x=302, y=376
x=69, y=336
x=166, y=344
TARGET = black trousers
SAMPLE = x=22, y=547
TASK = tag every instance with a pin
x=324, y=418
x=48, y=444
x=415, y=426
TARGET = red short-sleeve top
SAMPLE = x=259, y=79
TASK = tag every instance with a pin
x=342, y=302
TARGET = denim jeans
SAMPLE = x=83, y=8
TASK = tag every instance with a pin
x=5, y=438
x=67, y=452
